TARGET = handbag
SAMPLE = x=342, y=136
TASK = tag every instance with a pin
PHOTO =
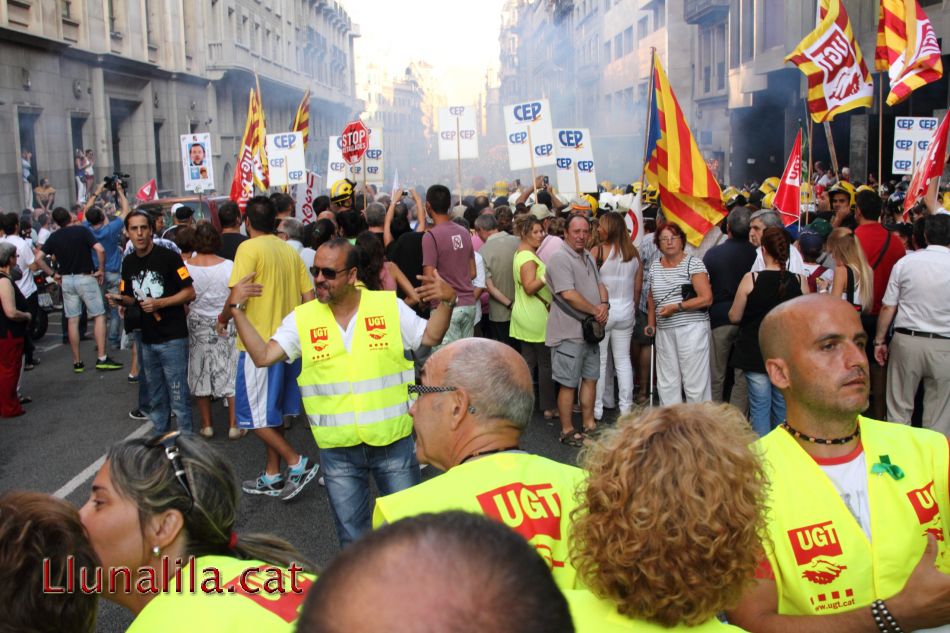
x=687, y=289
x=593, y=331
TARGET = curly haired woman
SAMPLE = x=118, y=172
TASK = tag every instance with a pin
x=667, y=532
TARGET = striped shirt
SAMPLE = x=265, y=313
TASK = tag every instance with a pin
x=666, y=286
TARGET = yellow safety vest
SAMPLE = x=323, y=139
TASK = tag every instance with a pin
x=822, y=559
x=360, y=396
x=532, y=495
x=593, y=615
x=215, y=597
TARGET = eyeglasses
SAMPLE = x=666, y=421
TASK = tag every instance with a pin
x=669, y=240
x=417, y=390
x=328, y=273
x=168, y=441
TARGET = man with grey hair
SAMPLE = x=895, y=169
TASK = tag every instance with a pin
x=291, y=231
x=475, y=401
x=761, y=220
x=498, y=252
x=375, y=218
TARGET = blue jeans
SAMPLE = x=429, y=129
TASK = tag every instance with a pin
x=113, y=322
x=346, y=471
x=766, y=404
x=166, y=370
x=136, y=336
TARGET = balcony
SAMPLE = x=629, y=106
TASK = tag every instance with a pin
x=705, y=11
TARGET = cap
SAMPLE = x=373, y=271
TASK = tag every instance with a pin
x=458, y=211
x=821, y=227
x=580, y=204
x=541, y=211
x=810, y=243
x=182, y=212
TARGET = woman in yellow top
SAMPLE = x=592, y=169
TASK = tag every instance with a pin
x=529, y=310
x=161, y=519
x=666, y=533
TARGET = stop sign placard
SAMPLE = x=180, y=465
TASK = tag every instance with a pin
x=353, y=141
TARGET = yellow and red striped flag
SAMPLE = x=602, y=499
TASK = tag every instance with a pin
x=261, y=170
x=302, y=118
x=242, y=185
x=689, y=193
x=907, y=48
x=829, y=56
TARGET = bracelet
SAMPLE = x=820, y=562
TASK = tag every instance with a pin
x=679, y=306
x=883, y=619
x=222, y=320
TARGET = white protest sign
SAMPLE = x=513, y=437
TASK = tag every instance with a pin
x=337, y=168
x=286, y=162
x=575, y=161
x=196, y=162
x=911, y=140
x=530, y=137
x=373, y=158
x=304, y=196
x=458, y=133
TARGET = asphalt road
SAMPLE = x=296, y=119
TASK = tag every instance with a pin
x=57, y=446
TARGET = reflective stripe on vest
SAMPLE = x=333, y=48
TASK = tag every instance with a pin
x=531, y=494
x=357, y=396
x=822, y=559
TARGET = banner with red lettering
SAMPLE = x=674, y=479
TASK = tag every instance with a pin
x=930, y=167
x=787, y=199
x=149, y=191
x=304, y=196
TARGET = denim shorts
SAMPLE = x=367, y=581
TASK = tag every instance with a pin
x=79, y=290
x=573, y=360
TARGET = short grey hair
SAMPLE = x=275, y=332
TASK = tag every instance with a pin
x=375, y=214
x=486, y=222
x=293, y=228
x=485, y=376
x=7, y=250
x=738, y=222
x=768, y=217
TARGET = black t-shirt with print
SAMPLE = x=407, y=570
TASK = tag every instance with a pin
x=159, y=274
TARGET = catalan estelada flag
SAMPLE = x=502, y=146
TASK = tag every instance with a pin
x=907, y=48
x=245, y=173
x=302, y=118
x=689, y=194
x=261, y=169
x=829, y=56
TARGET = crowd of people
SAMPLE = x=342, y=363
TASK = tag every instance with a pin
x=421, y=328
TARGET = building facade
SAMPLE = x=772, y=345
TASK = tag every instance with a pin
x=125, y=79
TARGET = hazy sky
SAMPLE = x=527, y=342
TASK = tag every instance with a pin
x=459, y=38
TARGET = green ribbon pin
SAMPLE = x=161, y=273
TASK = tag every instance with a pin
x=885, y=466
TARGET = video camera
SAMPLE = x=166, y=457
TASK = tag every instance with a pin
x=109, y=182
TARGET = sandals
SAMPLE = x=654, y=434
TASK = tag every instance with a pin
x=572, y=438
x=550, y=414
x=590, y=432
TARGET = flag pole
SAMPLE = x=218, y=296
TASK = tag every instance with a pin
x=534, y=180
x=365, y=190
x=646, y=136
x=458, y=156
x=880, y=131
x=577, y=182
x=831, y=149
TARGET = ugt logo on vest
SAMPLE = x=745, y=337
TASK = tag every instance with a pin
x=924, y=501
x=319, y=338
x=813, y=545
x=528, y=510
x=376, y=327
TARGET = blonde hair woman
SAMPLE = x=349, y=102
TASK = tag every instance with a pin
x=854, y=279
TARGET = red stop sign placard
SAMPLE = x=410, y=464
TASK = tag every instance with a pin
x=353, y=141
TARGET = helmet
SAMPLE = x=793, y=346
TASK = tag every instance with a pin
x=729, y=195
x=864, y=188
x=842, y=186
x=651, y=195
x=500, y=188
x=770, y=185
x=606, y=185
x=341, y=191
x=767, y=200
x=593, y=204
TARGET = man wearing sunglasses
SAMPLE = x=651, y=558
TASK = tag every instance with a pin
x=475, y=400
x=354, y=345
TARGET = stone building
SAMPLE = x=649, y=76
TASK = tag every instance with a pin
x=126, y=78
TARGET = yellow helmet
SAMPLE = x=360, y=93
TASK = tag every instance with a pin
x=593, y=204
x=845, y=187
x=744, y=193
x=770, y=185
x=651, y=195
x=617, y=191
x=500, y=188
x=864, y=188
x=341, y=191
x=729, y=194
x=767, y=200
x=606, y=185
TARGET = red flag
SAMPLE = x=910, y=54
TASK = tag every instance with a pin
x=787, y=199
x=929, y=168
x=149, y=191
x=242, y=185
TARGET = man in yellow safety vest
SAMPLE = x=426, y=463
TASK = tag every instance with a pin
x=475, y=400
x=355, y=346
x=859, y=509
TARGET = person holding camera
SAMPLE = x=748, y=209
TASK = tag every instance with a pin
x=74, y=247
x=680, y=293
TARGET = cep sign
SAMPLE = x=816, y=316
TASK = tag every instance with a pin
x=911, y=141
x=458, y=133
x=354, y=141
x=529, y=134
x=575, y=161
x=285, y=157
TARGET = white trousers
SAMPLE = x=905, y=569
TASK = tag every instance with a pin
x=619, y=331
x=682, y=363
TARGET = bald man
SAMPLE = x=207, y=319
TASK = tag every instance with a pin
x=453, y=571
x=475, y=400
x=860, y=509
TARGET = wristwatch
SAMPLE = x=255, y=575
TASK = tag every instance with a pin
x=236, y=306
x=451, y=303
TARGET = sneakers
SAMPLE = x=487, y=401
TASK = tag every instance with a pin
x=107, y=364
x=235, y=433
x=206, y=432
x=138, y=414
x=261, y=487
x=298, y=477
x=79, y=367
x=133, y=379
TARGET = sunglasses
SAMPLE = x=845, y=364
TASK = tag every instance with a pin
x=328, y=273
x=417, y=390
x=168, y=441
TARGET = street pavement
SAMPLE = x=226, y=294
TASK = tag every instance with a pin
x=58, y=445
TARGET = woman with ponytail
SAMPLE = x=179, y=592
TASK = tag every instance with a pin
x=168, y=502
x=854, y=279
x=757, y=295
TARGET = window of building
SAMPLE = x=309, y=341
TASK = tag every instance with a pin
x=66, y=6
x=643, y=27
x=606, y=5
x=157, y=135
x=628, y=99
x=27, y=127
x=747, y=36
x=618, y=44
x=76, y=125
x=242, y=32
x=642, y=91
x=659, y=15
x=719, y=52
x=256, y=40
x=608, y=104
x=628, y=40
x=773, y=23
x=734, y=35
x=705, y=59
